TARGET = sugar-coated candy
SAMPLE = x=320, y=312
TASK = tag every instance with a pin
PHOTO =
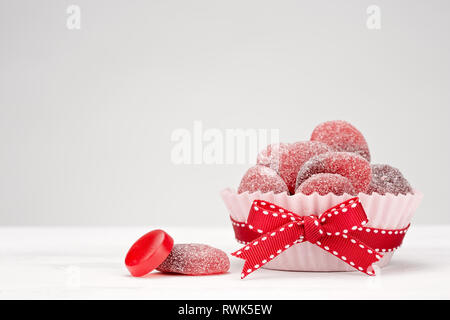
x=342, y=136
x=261, y=178
x=288, y=159
x=387, y=179
x=350, y=165
x=272, y=154
x=195, y=259
x=324, y=183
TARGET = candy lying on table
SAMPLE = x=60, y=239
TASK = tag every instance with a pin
x=155, y=249
x=195, y=259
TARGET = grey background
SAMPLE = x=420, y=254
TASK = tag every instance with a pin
x=86, y=116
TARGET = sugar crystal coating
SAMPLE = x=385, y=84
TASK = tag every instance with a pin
x=324, y=183
x=261, y=178
x=387, y=179
x=350, y=165
x=272, y=154
x=288, y=159
x=342, y=136
x=195, y=259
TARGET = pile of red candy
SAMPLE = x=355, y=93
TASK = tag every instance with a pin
x=156, y=250
x=335, y=160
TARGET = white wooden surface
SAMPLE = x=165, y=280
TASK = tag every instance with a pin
x=87, y=263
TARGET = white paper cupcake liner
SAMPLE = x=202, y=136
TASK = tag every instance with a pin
x=384, y=211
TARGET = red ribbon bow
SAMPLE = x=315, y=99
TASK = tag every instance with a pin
x=338, y=231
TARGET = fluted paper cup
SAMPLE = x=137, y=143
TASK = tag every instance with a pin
x=383, y=211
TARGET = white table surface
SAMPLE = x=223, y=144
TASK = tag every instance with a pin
x=88, y=263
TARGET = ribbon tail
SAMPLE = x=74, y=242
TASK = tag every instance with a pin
x=268, y=246
x=351, y=251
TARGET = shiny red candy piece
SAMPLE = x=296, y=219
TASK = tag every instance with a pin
x=387, y=179
x=195, y=259
x=324, y=183
x=261, y=178
x=288, y=159
x=342, y=136
x=148, y=252
x=350, y=165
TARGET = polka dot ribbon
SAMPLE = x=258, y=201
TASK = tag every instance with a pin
x=340, y=230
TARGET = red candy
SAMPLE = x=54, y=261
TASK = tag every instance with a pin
x=387, y=179
x=341, y=136
x=148, y=252
x=335, y=160
x=324, y=183
x=195, y=259
x=271, y=156
x=349, y=165
x=263, y=179
x=288, y=159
